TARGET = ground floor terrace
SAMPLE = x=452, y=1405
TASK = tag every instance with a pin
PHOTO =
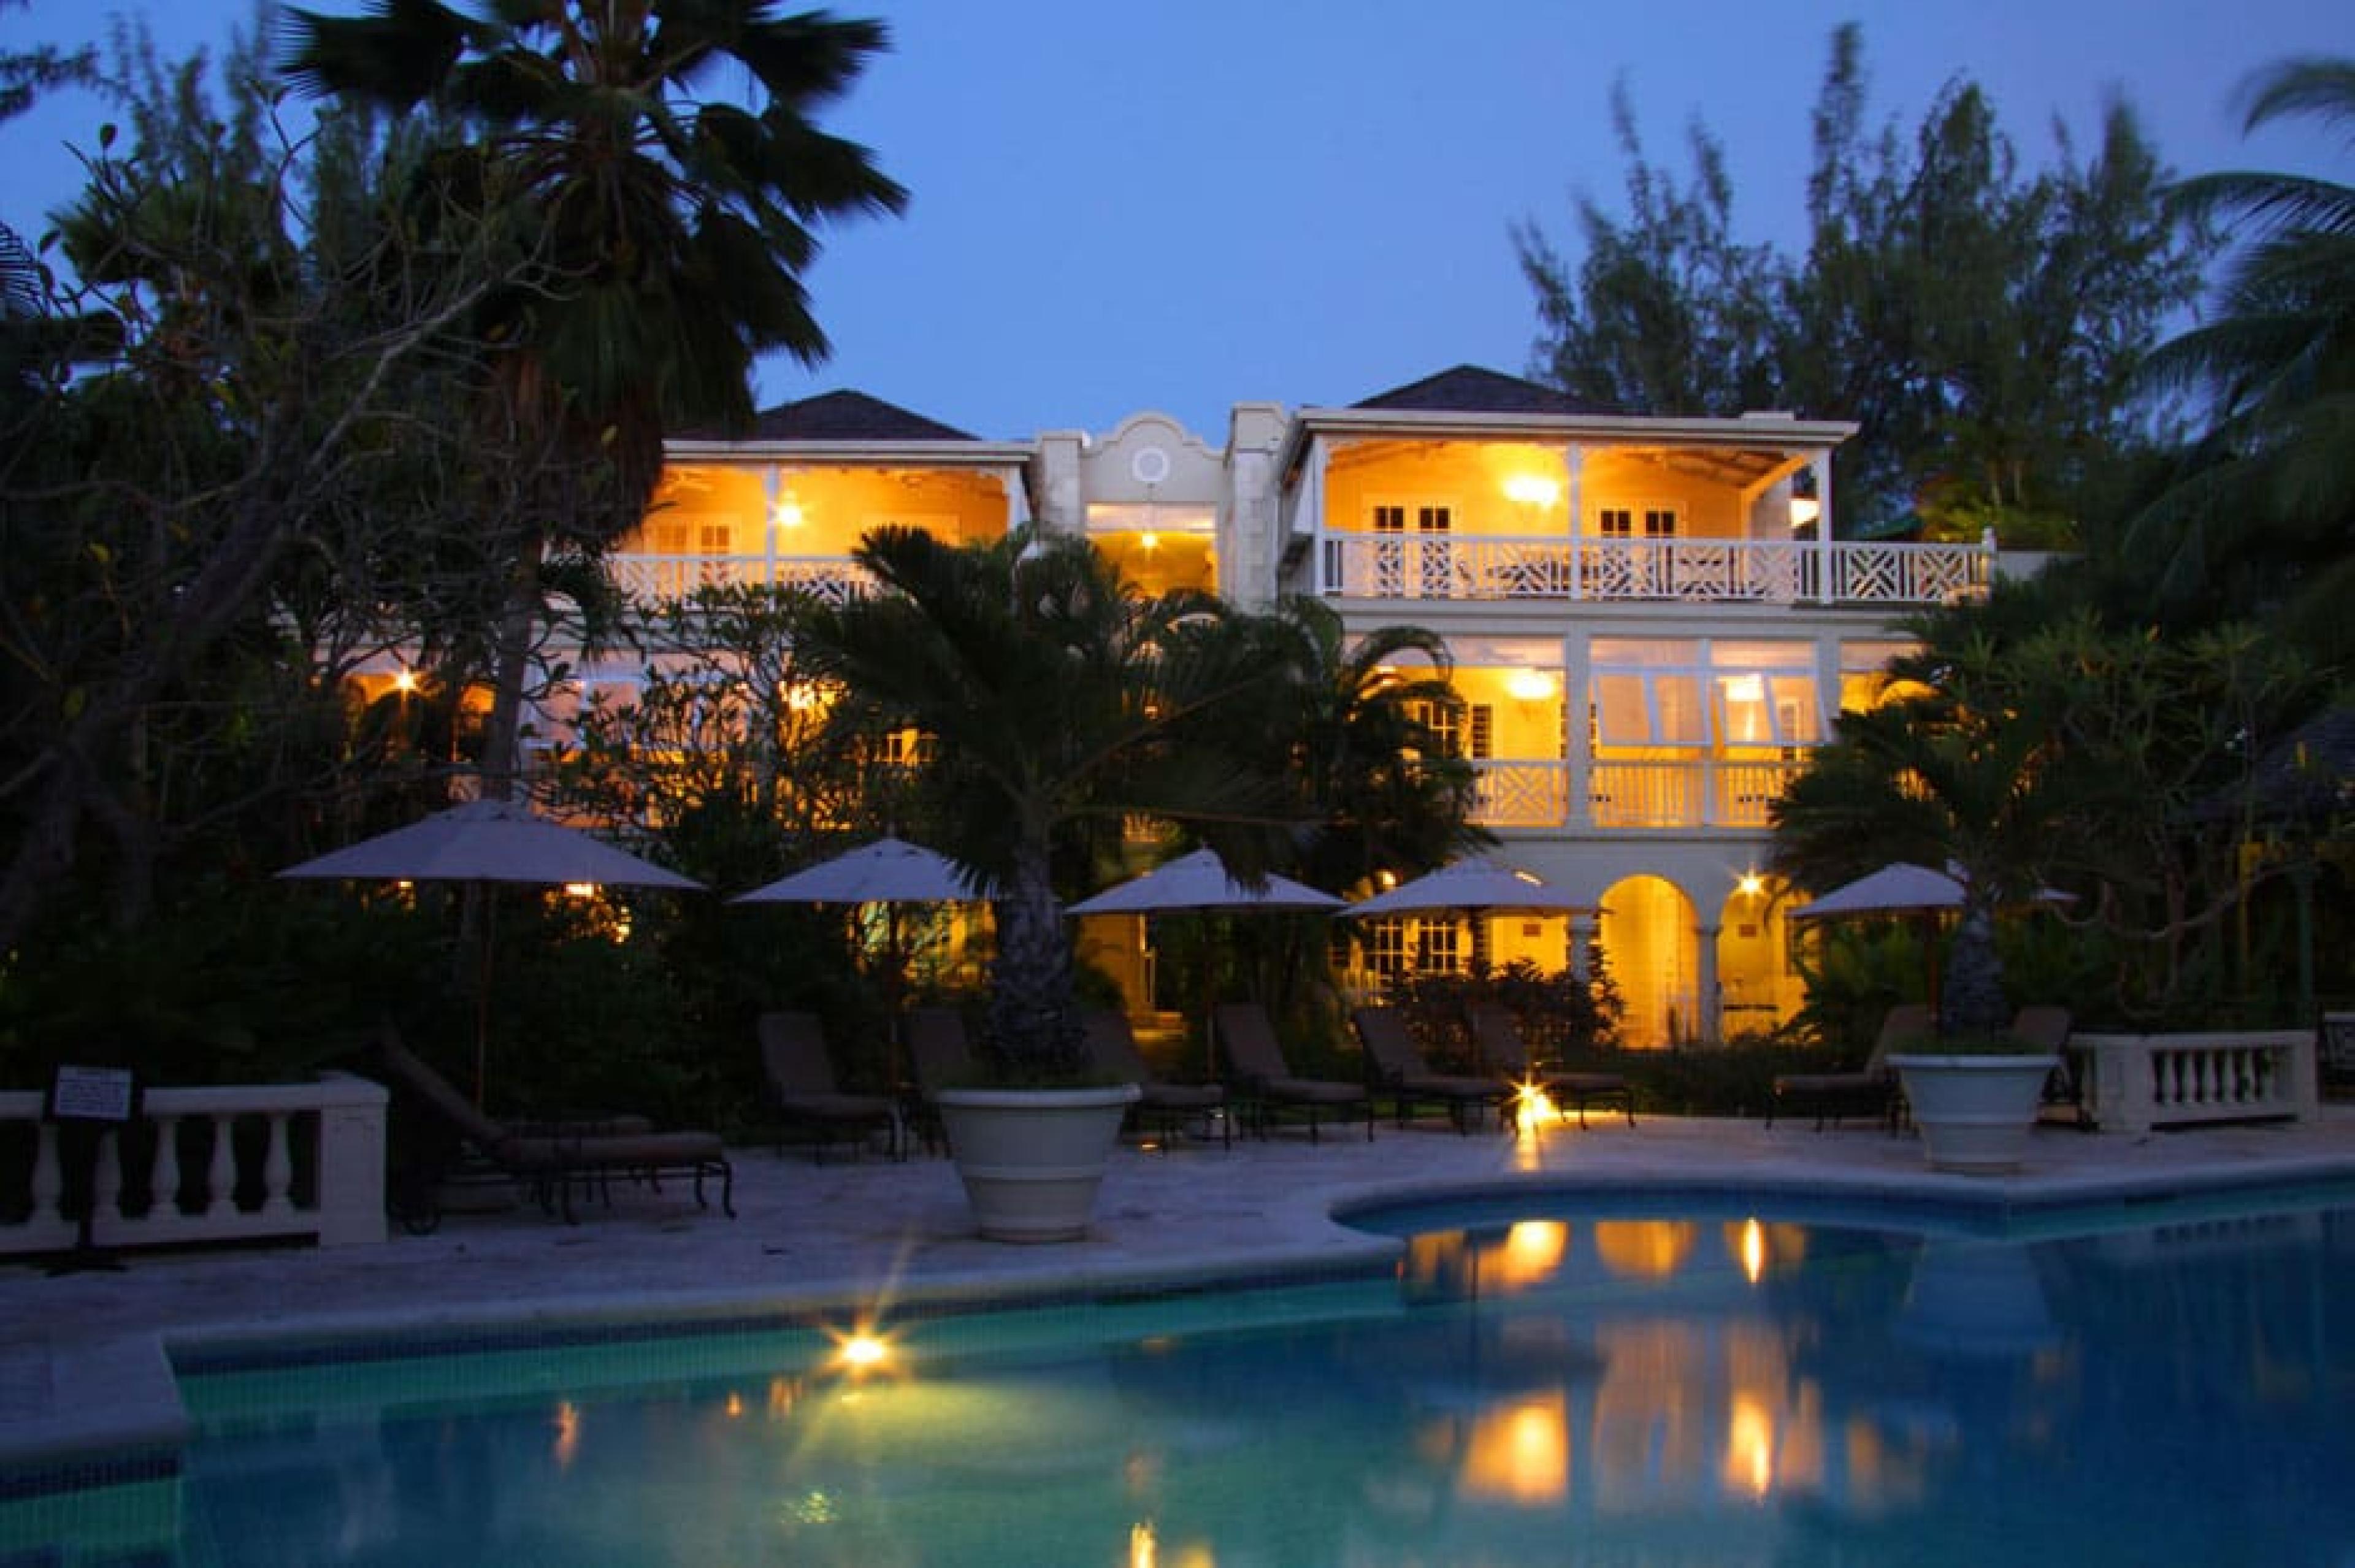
x=82, y=1369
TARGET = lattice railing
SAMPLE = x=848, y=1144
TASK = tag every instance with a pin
x=658, y=578
x=1483, y=567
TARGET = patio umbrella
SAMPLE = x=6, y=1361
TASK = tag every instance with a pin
x=1906, y=889
x=889, y=871
x=485, y=842
x=1199, y=883
x=1471, y=886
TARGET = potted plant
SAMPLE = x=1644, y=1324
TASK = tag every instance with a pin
x=1974, y=1095
x=1051, y=695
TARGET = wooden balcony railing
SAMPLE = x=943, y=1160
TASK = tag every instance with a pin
x=1491, y=567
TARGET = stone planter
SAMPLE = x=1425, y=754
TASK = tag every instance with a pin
x=1974, y=1111
x=1031, y=1159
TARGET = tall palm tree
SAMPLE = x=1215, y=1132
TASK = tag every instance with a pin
x=2266, y=513
x=1053, y=694
x=664, y=225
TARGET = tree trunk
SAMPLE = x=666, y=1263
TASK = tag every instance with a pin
x=1032, y=1029
x=1972, y=1000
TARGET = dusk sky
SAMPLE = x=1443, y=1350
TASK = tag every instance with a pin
x=1178, y=207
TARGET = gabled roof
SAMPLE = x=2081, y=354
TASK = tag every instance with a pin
x=849, y=416
x=1471, y=389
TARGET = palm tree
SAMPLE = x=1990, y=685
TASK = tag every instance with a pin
x=665, y=229
x=1052, y=695
x=1353, y=728
x=1965, y=774
x=2264, y=516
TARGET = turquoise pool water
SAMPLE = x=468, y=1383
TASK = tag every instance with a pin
x=1572, y=1380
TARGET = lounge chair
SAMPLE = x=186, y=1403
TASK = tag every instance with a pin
x=1497, y=1038
x=797, y=1075
x=1871, y=1090
x=1166, y=1106
x=551, y=1157
x=1261, y=1080
x=1395, y=1067
x=2046, y=1028
x=940, y=1055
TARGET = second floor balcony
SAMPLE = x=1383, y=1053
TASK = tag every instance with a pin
x=650, y=578
x=1703, y=793
x=1490, y=566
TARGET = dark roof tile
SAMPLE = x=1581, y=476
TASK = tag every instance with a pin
x=844, y=416
x=1470, y=390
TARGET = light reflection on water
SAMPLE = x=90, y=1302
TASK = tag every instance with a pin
x=1556, y=1388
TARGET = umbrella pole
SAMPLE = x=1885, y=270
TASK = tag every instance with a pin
x=483, y=995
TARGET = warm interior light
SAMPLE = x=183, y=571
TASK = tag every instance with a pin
x=788, y=513
x=1750, y=885
x=1530, y=686
x=1746, y=689
x=1532, y=490
x=1805, y=510
x=580, y=890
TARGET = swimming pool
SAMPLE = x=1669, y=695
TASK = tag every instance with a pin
x=1574, y=1379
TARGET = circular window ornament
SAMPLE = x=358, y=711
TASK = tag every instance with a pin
x=1149, y=466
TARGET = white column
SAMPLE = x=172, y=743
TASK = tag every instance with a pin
x=1709, y=1006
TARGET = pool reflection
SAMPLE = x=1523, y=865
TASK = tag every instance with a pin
x=1621, y=1388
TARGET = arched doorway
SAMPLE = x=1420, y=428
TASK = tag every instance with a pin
x=1757, y=987
x=1646, y=934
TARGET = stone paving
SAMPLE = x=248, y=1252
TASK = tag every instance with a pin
x=82, y=1366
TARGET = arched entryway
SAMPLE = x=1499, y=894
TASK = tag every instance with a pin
x=1757, y=987
x=1646, y=935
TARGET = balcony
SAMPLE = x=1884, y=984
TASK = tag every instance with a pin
x=648, y=580
x=1480, y=567
x=1705, y=792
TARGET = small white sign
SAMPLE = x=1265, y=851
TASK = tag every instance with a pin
x=91, y=1094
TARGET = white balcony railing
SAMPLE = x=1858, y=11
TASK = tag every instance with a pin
x=1489, y=567
x=251, y=1162
x=656, y=578
x=1709, y=793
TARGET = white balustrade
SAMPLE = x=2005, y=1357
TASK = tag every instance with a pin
x=658, y=578
x=336, y=1124
x=1457, y=566
x=2134, y=1082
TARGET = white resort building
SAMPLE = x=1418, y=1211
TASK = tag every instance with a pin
x=1650, y=619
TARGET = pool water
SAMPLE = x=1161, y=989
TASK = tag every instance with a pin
x=1563, y=1382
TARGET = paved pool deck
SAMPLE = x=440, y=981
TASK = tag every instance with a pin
x=83, y=1367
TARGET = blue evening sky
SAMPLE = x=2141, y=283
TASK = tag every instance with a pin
x=1125, y=205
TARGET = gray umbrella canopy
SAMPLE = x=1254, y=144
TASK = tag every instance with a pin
x=889, y=871
x=489, y=841
x=1200, y=881
x=1903, y=889
x=1471, y=886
